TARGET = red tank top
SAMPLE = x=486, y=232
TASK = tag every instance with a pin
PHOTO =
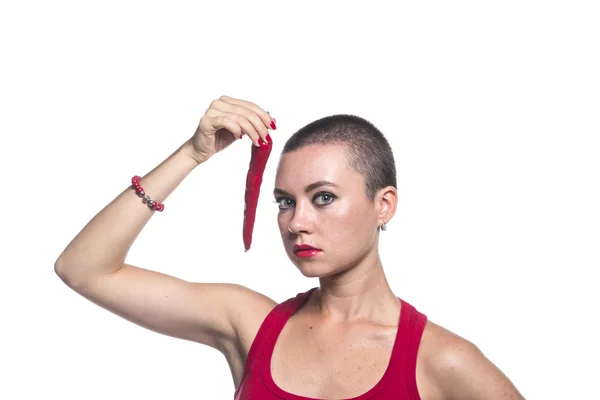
x=398, y=382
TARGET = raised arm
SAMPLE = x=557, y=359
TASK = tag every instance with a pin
x=93, y=264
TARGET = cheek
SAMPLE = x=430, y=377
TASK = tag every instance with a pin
x=348, y=226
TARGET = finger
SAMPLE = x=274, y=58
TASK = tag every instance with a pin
x=249, y=114
x=231, y=109
x=246, y=127
x=273, y=122
x=264, y=116
x=224, y=122
x=237, y=122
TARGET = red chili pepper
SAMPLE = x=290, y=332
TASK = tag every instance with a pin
x=258, y=162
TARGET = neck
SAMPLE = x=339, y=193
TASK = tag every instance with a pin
x=359, y=293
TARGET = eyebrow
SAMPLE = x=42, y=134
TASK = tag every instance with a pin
x=307, y=189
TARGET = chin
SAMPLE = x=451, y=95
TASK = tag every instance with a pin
x=314, y=270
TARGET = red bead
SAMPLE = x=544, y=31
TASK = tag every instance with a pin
x=135, y=181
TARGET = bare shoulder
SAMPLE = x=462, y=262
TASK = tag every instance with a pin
x=248, y=309
x=456, y=368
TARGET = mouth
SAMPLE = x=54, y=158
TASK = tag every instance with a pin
x=305, y=251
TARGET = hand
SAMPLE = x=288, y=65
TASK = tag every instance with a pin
x=226, y=120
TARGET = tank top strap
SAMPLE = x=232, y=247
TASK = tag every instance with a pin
x=264, y=342
x=404, y=365
x=281, y=315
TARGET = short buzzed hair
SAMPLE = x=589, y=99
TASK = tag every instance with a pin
x=369, y=152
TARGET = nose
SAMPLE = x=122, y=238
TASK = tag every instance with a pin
x=301, y=221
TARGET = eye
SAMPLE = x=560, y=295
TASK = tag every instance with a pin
x=284, y=202
x=328, y=198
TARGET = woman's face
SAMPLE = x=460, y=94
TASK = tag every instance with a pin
x=337, y=218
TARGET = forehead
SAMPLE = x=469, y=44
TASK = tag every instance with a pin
x=313, y=163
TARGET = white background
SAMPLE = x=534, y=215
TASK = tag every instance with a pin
x=492, y=111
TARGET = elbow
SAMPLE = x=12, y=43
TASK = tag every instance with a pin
x=64, y=272
x=60, y=269
x=78, y=275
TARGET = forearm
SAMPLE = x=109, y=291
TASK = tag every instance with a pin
x=102, y=245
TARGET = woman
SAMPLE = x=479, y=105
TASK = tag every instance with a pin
x=349, y=338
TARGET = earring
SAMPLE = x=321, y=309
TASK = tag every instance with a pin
x=383, y=226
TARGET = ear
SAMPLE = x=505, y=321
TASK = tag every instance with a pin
x=386, y=203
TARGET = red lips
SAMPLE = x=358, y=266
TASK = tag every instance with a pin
x=305, y=251
x=304, y=247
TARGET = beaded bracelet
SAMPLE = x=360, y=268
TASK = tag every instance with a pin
x=156, y=206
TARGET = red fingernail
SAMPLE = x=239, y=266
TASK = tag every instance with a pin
x=273, y=126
